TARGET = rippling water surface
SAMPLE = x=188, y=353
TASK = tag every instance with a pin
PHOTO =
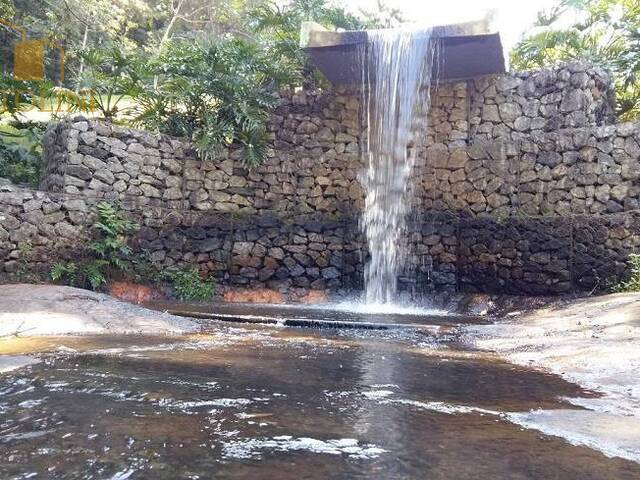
x=259, y=402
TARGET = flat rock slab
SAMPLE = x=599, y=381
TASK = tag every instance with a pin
x=613, y=435
x=594, y=342
x=56, y=310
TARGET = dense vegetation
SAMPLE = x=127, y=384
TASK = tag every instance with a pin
x=107, y=254
x=206, y=69
x=603, y=32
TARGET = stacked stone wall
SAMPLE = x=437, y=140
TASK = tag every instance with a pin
x=539, y=255
x=312, y=165
x=520, y=186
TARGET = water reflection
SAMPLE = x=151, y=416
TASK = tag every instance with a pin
x=258, y=403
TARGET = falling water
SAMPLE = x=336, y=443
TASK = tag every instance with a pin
x=396, y=76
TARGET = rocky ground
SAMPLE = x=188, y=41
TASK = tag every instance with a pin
x=57, y=310
x=594, y=342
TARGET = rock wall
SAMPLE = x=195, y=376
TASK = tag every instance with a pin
x=300, y=252
x=546, y=255
x=470, y=162
x=570, y=171
x=312, y=166
x=520, y=186
x=515, y=105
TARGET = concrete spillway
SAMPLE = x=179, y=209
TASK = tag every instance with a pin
x=467, y=50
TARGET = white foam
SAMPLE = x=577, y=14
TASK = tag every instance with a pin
x=253, y=448
x=219, y=402
x=376, y=394
x=382, y=308
x=442, y=407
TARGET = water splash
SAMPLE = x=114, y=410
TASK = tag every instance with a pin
x=396, y=76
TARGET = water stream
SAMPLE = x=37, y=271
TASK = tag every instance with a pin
x=396, y=75
x=248, y=402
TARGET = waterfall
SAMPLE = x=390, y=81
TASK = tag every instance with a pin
x=396, y=76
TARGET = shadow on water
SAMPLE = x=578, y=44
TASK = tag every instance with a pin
x=254, y=402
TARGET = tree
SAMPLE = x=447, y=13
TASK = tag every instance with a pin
x=605, y=33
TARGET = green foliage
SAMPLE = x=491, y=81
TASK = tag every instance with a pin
x=64, y=271
x=19, y=95
x=633, y=283
x=204, y=70
x=89, y=274
x=19, y=165
x=188, y=285
x=607, y=34
x=216, y=93
x=108, y=253
x=111, y=75
x=6, y=8
x=112, y=232
x=278, y=28
x=21, y=152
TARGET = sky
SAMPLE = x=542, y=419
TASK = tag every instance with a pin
x=511, y=17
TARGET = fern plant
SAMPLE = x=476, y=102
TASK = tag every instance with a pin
x=189, y=285
x=112, y=231
x=64, y=271
x=108, y=253
x=89, y=274
x=633, y=283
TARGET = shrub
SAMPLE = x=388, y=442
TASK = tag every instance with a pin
x=111, y=76
x=21, y=152
x=633, y=284
x=108, y=253
x=188, y=285
x=217, y=94
x=19, y=165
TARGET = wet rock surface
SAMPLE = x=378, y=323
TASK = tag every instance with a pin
x=592, y=342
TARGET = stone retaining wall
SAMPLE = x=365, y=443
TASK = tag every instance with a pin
x=520, y=186
x=315, y=251
x=571, y=171
x=463, y=166
x=312, y=166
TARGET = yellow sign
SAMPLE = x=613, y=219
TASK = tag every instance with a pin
x=29, y=56
x=28, y=60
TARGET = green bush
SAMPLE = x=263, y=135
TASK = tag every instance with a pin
x=633, y=283
x=111, y=75
x=217, y=94
x=188, y=285
x=106, y=255
x=19, y=165
x=21, y=152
